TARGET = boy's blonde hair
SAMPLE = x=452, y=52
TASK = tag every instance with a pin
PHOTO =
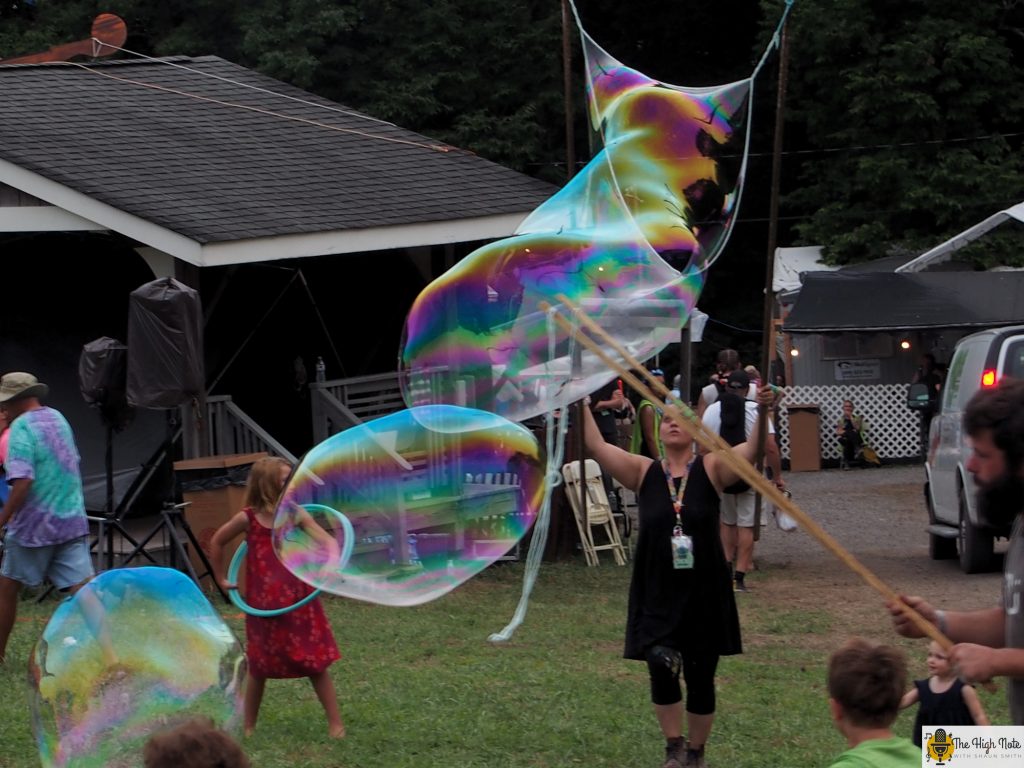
x=264, y=487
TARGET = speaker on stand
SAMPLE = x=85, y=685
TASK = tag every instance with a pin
x=102, y=379
x=165, y=372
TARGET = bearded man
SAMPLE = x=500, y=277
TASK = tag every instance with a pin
x=990, y=642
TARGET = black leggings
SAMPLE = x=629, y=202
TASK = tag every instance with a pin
x=664, y=665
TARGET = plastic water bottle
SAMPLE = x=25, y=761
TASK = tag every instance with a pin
x=321, y=370
x=414, y=555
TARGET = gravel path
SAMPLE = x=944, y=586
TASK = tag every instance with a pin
x=878, y=515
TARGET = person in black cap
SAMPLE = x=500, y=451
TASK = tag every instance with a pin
x=728, y=360
x=733, y=417
x=47, y=529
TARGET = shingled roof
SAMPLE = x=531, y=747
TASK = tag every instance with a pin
x=179, y=154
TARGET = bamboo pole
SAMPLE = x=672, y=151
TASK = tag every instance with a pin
x=715, y=444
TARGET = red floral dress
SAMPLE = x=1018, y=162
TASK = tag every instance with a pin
x=295, y=644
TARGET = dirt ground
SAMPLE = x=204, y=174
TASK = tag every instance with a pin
x=878, y=516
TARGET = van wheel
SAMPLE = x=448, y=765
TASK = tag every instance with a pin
x=939, y=547
x=976, y=547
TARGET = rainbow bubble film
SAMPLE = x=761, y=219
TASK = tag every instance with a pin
x=627, y=240
x=433, y=494
x=135, y=651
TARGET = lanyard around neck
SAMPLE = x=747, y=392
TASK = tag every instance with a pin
x=676, y=495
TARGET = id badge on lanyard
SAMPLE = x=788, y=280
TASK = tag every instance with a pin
x=682, y=545
x=682, y=549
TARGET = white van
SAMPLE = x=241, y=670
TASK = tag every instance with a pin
x=979, y=360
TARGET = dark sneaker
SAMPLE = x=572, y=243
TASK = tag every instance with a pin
x=675, y=753
x=740, y=586
x=694, y=758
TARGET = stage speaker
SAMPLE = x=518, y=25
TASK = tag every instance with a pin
x=165, y=345
x=102, y=370
x=102, y=378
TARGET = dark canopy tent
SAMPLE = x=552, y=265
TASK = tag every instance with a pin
x=845, y=302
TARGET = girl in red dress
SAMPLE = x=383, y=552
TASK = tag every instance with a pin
x=295, y=644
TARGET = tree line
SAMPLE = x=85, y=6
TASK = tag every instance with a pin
x=902, y=120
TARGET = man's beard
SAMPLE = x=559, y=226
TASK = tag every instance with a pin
x=1000, y=501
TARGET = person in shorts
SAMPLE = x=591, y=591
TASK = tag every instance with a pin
x=733, y=417
x=44, y=516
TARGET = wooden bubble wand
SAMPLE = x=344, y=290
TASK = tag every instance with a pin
x=713, y=442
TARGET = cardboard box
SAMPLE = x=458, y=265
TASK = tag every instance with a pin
x=209, y=509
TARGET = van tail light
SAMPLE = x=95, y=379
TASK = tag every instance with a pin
x=988, y=378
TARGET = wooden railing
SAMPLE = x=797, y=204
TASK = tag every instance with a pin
x=230, y=430
x=343, y=403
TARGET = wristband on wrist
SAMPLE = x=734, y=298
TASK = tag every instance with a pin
x=941, y=623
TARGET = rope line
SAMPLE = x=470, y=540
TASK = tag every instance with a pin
x=261, y=110
x=157, y=60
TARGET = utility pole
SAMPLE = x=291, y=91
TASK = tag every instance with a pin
x=773, y=225
x=570, y=135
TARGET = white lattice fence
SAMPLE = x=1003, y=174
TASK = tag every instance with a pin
x=892, y=428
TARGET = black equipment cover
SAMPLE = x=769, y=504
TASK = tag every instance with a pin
x=165, y=345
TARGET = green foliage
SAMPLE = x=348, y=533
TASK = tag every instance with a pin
x=26, y=29
x=902, y=119
x=484, y=76
x=480, y=74
x=909, y=113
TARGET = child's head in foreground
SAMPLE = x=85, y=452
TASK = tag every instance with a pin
x=197, y=743
x=867, y=680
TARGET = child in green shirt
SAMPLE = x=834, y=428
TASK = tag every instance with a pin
x=865, y=684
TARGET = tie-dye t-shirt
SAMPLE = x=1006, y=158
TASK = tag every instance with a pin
x=42, y=447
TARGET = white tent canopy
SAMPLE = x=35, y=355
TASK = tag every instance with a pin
x=944, y=251
x=790, y=263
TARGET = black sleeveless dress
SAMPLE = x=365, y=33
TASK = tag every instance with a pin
x=946, y=708
x=692, y=610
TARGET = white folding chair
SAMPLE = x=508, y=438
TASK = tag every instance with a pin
x=597, y=512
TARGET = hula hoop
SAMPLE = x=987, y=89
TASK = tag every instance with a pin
x=236, y=564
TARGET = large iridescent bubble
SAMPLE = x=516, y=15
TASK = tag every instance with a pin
x=434, y=495
x=134, y=651
x=627, y=240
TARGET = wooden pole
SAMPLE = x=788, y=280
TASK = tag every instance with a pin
x=767, y=337
x=570, y=134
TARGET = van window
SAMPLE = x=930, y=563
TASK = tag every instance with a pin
x=977, y=353
x=1013, y=358
x=964, y=376
x=954, y=376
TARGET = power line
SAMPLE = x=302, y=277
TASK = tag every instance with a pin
x=836, y=150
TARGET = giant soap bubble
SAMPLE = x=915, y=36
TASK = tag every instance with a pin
x=134, y=651
x=432, y=496
x=628, y=240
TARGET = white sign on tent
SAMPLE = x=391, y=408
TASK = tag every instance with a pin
x=869, y=369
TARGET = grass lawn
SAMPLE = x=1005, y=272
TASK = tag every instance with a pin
x=423, y=686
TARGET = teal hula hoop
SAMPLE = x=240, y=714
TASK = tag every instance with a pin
x=239, y=556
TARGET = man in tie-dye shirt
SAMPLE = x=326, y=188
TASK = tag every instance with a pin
x=47, y=529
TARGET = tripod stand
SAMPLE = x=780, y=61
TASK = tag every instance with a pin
x=174, y=523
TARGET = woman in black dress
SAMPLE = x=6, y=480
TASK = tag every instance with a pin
x=682, y=611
